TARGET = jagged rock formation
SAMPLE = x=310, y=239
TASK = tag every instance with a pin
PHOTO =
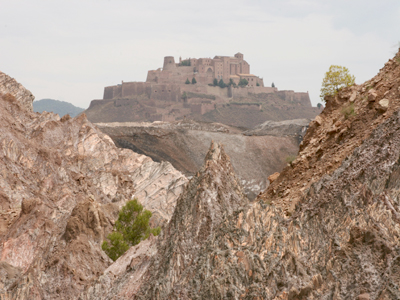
x=62, y=183
x=9, y=85
x=327, y=228
x=185, y=143
x=170, y=264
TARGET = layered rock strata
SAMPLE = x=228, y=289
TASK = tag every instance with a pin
x=62, y=183
x=185, y=143
x=335, y=237
x=170, y=263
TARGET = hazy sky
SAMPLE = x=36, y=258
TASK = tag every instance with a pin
x=70, y=50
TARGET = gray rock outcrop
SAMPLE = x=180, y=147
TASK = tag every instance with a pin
x=185, y=143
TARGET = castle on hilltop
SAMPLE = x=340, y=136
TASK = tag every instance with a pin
x=204, y=70
x=188, y=89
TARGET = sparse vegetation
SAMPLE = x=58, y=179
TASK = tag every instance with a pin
x=222, y=84
x=243, y=82
x=289, y=159
x=186, y=62
x=246, y=103
x=196, y=95
x=130, y=229
x=348, y=111
x=184, y=96
x=335, y=79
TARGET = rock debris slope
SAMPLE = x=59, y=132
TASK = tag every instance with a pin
x=62, y=182
x=327, y=228
x=185, y=143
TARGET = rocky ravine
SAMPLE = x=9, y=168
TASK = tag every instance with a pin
x=62, y=182
x=255, y=154
x=327, y=228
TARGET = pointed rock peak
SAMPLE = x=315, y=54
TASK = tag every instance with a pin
x=14, y=91
x=208, y=198
x=216, y=156
x=215, y=152
x=217, y=180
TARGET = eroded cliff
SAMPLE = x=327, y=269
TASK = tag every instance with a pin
x=62, y=183
x=255, y=154
x=327, y=228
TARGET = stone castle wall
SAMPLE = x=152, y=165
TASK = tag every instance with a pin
x=301, y=98
x=160, y=98
x=245, y=92
x=167, y=92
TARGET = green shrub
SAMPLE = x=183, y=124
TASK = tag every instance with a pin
x=130, y=229
x=348, y=111
x=187, y=81
x=194, y=80
x=243, y=82
x=289, y=159
x=186, y=62
x=184, y=96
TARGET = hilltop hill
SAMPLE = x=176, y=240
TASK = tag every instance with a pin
x=56, y=106
x=166, y=97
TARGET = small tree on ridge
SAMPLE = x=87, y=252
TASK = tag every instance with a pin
x=335, y=79
x=130, y=229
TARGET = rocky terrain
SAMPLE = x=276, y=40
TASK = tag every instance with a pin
x=246, y=112
x=327, y=228
x=62, y=182
x=254, y=154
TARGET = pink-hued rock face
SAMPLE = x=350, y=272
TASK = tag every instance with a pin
x=328, y=227
x=18, y=252
x=62, y=183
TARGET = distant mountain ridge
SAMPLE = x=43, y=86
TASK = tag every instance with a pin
x=59, y=107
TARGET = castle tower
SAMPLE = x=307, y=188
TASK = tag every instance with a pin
x=169, y=63
x=239, y=56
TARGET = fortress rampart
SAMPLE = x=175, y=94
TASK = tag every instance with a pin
x=166, y=96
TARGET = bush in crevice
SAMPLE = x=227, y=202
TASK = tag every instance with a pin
x=130, y=229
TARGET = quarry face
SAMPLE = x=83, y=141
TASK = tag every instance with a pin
x=185, y=143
